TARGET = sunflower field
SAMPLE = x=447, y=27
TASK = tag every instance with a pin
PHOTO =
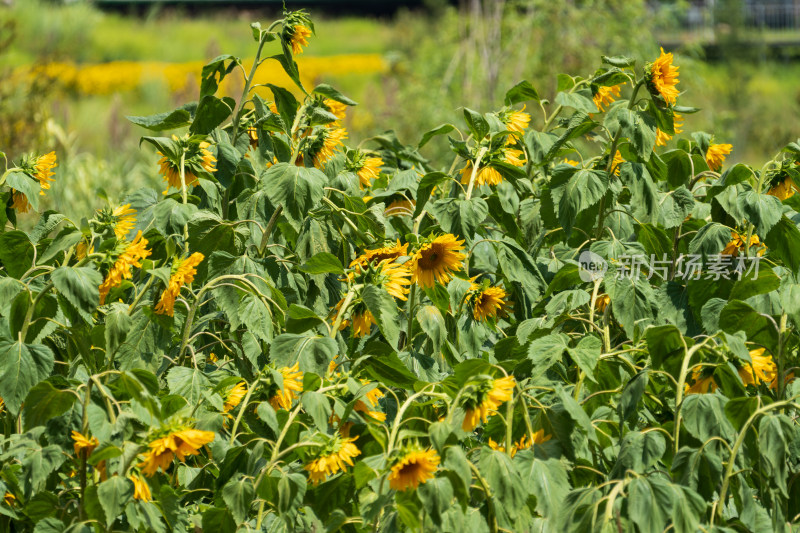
x=586, y=321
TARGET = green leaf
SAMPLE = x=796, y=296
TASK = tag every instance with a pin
x=477, y=123
x=763, y=210
x=575, y=192
x=619, y=61
x=675, y=206
x=318, y=407
x=326, y=90
x=214, y=72
x=238, y=496
x=783, y=241
x=521, y=92
x=442, y=129
x=459, y=216
x=16, y=252
x=436, y=496
x=118, y=324
x=388, y=369
x=19, y=181
x=21, y=367
x=547, y=480
x=297, y=189
x=508, y=490
x=314, y=353
x=211, y=112
x=545, y=351
x=79, y=285
x=189, y=383
x=632, y=393
x=649, y=504
x=566, y=301
x=580, y=100
x=638, y=452
x=704, y=417
x=433, y=325
x=640, y=128
x=383, y=307
x=169, y=120
x=759, y=328
x=44, y=402
x=323, y=263
x=114, y=494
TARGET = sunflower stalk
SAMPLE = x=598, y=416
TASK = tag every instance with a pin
x=475, y=166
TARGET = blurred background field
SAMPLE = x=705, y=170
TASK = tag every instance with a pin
x=72, y=72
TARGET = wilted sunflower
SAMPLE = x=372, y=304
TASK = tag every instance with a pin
x=183, y=274
x=702, y=384
x=337, y=108
x=19, y=202
x=298, y=38
x=234, y=396
x=515, y=121
x=436, y=260
x=488, y=397
x=763, y=368
x=377, y=255
x=131, y=256
x=485, y=175
x=394, y=278
x=198, y=158
x=43, y=169
x=83, y=446
x=331, y=143
x=414, y=467
x=663, y=77
x=783, y=189
x=522, y=444
x=737, y=244
x=677, y=124
x=141, y=490
x=362, y=321
x=617, y=163
x=715, y=156
x=602, y=302
x=606, y=96
x=292, y=384
x=178, y=443
x=486, y=302
x=335, y=456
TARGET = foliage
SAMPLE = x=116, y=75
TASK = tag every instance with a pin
x=299, y=335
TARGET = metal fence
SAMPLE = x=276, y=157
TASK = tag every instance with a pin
x=774, y=16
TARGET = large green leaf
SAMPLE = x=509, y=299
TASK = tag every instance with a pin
x=21, y=367
x=79, y=285
x=313, y=352
x=113, y=494
x=297, y=189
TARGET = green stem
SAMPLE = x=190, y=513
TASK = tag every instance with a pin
x=262, y=248
x=242, y=408
x=29, y=314
x=248, y=81
x=688, y=353
x=412, y=298
x=475, y=167
x=340, y=316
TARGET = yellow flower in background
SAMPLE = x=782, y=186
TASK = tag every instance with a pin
x=737, y=244
x=124, y=220
x=702, y=385
x=395, y=278
x=715, y=156
x=184, y=275
x=380, y=254
x=664, y=77
x=342, y=453
x=83, y=446
x=130, y=257
x=189, y=441
x=235, y=396
x=197, y=156
x=414, y=468
x=9, y=499
x=514, y=157
x=486, y=303
x=370, y=169
x=292, y=385
x=522, y=444
x=492, y=394
x=141, y=490
x=331, y=143
x=677, y=124
x=763, y=368
x=606, y=96
x=437, y=260
x=337, y=108
x=784, y=189
x=571, y=163
x=252, y=136
x=299, y=38
x=616, y=163
x=361, y=407
x=160, y=456
x=20, y=202
x=362, y=322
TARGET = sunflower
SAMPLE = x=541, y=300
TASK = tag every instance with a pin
x=292, y=384
x=361, y=407
x=677, y=124
x=299, y=38
x=715, y=155
x=235, y=396
x=331, y=143
x=19, y=202
x=43, y=169
x=486, y=302
x=124, y=220
x=664, y=77
x=337, y=108
x=602, y=302
x=522, y=444
x=9, y=499
x=377, y=255
x=616, y=163
x=436, y=260
x=399, y=208
x=414, y=467
x=369, y=170
x=762, y=368
x=197, y=158
x=141, y=490
x=784, y=189
x=362, y=322
x=338, y=453
x=252, y=136
x=702, y=385
x=515, y=121
x=177, y=443
x=571, y=163
x=131, y=256
x=737, y=244
x=184, y=272
x=606, y=96
x=490, y=395
x=484, y=176
x=373, y=396
x=394, y=278
x=514, y=157
x=83, y=446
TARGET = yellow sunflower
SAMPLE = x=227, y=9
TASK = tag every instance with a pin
x=362, y=322
x=377, y=255
x=737, y=244
x=130, y=257
x=370, y=169
x=487, y=302
x=83, y=446
x=399, y=208
x=616, y=163
x=235, y=396
x=606, y=96
x=522, y=444
x=763, y=368
x=178, y=443
x=515, y=121
x=299, y=38
x=602, y=302
x=571, y=162
x=331, y=143
x=715, y=156
x=197, y=156
x=677, y=124
x=184, y=272
x=124, y=220
x=292, y=385
x=141, y=490
x=338, y=454
x=664, y=77
x=784, y=189
x=491, y=394
x=413, y=468
x=436, y=260
x=43, y=169
x=361, y=407
x=337, y=108
x=19, y=202
x=394, y=278
x=484, y=176
x=702, y=385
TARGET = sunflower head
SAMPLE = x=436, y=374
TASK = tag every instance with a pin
x=376, y=255
x=289, y=387
x=486, y=302
x=235, y=396
x=335, y=454
x=324, y=144
x=715, y=155
x=413, y=467
x=606, y=96
x=515, y=120
x=436, y=260
x=197, y=160
x=365, y=166
x=662, y=78
x=482, y=397
x=761, y=368
x=119, y=220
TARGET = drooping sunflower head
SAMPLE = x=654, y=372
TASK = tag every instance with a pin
x=606, y=96
x=663, y=78
x=119, y=220
x=413, y=467
x=365, y=166
x=485, y=175
x=761, y=369
x=677, y=125
x=126, y=256
x=325, y=143
x=393, y=277
x=515, y=120
x=375, y=256
x=141, y=490
x=337, y=108
x=702, y=382
x=183, y=273
x=235, y=396
x=486, y=302
x=362, y=320
x=738, y=243
x=197, y=159
x=335, y=455
x=436, y=260
x=84, y=446
x=40, y=168
x=715, y=155
x=482, y=398
x=19, y=202
x=617, y=163
x=287, y=391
